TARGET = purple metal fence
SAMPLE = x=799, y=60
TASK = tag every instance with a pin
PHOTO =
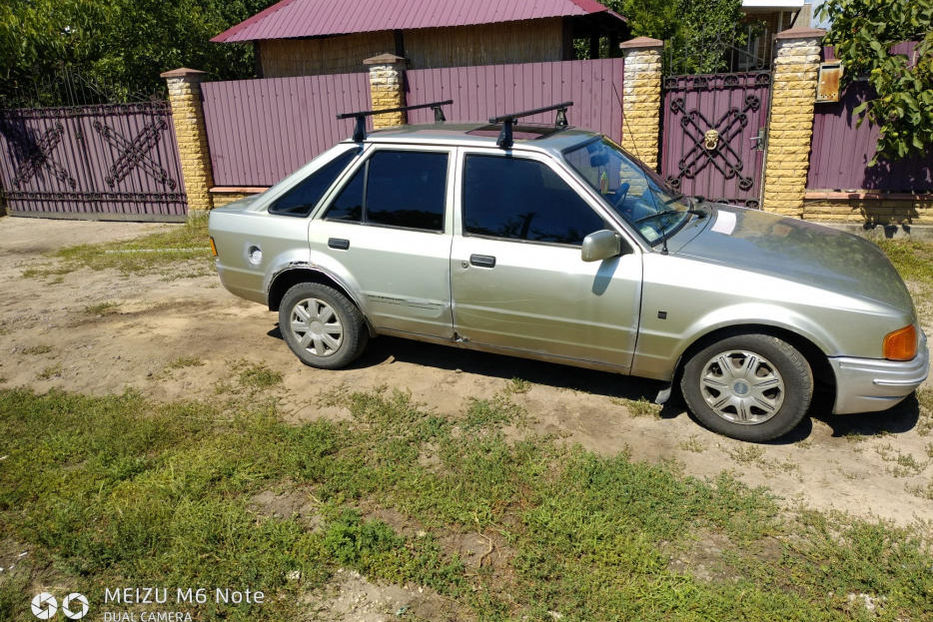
x=107, y=162
x=261, y=130
x=595, y=87
x=840, y=151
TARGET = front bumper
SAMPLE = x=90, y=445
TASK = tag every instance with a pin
x=870, y=385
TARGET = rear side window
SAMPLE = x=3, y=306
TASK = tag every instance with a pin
x=300, y=200
x=396, y=189
x=518, y=199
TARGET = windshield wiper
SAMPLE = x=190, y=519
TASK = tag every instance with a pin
x=670, y=212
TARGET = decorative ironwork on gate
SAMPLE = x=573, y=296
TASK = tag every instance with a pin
x=713, y=135
x=117, y=161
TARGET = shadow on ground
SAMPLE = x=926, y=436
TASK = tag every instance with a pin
x=501, y=366
x=899, y=419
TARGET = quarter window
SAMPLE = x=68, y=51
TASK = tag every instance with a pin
x=300, y=200
x=396, y=189
x=519, y=199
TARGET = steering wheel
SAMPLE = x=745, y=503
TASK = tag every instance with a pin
x=621, y=193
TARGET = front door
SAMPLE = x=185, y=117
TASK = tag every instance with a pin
x=517, y=279
x=389, y=227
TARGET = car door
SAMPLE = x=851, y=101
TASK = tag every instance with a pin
x=517, y=278
x=390, y=227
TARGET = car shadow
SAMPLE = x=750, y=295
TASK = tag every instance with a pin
x=898, y=419
x=505, y=367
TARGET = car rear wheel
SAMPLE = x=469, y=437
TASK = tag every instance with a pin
x=749, y=387
x=321, y=326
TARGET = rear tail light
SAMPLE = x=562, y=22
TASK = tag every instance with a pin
x=901, y=345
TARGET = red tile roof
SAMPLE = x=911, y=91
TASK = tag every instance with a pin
x=310, y=18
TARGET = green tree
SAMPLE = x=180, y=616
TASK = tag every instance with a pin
x=121, y=45
x=697, y=33
x=863, y=32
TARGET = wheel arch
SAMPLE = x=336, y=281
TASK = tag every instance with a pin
x=286, y=279
x=823, y=377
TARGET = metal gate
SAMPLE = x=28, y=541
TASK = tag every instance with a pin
x=102, y=162
x=714, y=135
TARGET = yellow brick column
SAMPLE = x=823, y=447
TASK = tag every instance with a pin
x=641, y=98
x=184, y=95
x=386, y=88
x=790, y=125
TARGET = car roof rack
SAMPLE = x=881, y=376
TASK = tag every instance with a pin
x=359, y=131
x=508, y=120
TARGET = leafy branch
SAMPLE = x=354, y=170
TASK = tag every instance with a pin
x=863, y=33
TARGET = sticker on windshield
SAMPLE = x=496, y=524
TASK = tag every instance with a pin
x=725, y=223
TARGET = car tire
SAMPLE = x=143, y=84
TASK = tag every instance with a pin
x=322, y=327
x=750, y=387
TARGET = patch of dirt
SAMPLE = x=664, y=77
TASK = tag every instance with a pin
x=285, y=502
x=851, y=463
x=350, y=597
x=478, y=550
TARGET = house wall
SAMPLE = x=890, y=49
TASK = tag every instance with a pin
x=285, y=58
x=425, y=48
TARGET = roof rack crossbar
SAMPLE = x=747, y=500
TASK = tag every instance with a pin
x=359, y=130
x=508, y=121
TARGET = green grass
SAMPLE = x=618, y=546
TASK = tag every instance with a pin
x=913, y=259
x=118, y=490
x=102, y=308
x=179, y=251
x=36, y=350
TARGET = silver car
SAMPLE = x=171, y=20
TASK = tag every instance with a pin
x=552, y=243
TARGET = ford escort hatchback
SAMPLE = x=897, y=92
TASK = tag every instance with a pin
x=553, y=243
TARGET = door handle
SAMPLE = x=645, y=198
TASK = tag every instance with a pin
x=338, y=243
x=483, y=261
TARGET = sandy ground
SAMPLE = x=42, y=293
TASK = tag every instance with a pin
x=868, y=465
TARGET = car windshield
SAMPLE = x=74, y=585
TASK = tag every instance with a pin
x=634, y=192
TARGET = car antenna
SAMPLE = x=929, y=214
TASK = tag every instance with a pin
x=625, y=121
x=359, y=130
x=664, y=250
x=508, y=120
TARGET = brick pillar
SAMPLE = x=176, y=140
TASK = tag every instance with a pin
x=184, y=94
x=790, y=125
x=641, y=98
x=386, y=88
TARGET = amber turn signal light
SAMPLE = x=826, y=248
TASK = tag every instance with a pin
x=901, y=345
x=213, y=247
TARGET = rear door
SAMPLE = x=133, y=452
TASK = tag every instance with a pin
x=390, y=227
x=517, y=279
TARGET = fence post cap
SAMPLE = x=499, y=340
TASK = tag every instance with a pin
x=384, y=59
x=801, y=33
x=182, y=72
x=641, y=42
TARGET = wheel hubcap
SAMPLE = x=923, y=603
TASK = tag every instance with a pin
x=742, y=387
x=316, y=327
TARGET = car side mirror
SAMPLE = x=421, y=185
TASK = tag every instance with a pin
x=600, y=245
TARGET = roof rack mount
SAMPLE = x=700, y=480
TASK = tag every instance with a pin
x=359, y=131
x=508, y=120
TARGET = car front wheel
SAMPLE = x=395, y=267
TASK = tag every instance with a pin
x=749, y=387
x=321, y=326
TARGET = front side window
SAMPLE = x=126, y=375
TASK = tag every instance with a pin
x=396, y=189
x=518, y=199
x=301, y=199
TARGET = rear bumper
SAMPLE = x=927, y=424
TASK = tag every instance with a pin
x=870, y=385
x=243, y=283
